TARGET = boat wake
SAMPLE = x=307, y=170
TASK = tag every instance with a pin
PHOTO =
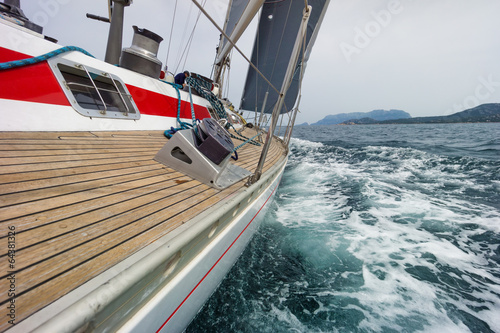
x=370, y=238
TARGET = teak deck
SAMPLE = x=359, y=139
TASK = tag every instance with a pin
x=77, y=203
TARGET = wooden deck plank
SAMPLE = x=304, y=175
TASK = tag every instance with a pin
x=117, y=184
x=95, y=224
x=8, y=169
x=78, y=189
x=61, y=173
x=133, y=134
x=57, y=152
x=31, y=188
x=55, y=145
x=253, y=154
x=55, y=288
x=76, y=215
x=98, y=211
x=76, y=209
x=71, y=157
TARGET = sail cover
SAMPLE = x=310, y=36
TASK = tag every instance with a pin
x=278, y=28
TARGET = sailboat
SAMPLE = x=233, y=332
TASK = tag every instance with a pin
x=126, y=198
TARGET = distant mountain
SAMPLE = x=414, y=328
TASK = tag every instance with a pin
x=480, y=114
x=379, y=115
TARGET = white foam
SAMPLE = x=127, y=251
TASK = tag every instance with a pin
x=415, y=219
x=305, y=143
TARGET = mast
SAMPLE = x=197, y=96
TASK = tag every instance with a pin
x=114, y=47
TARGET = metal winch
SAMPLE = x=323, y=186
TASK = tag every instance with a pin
x=141, y=56
x=203, y=154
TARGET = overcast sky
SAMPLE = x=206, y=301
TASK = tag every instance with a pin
x=426, y=57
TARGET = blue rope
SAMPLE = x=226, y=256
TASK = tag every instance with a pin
x=250, y=140
x=182, y=125
x=43, y=57
x=193, y=116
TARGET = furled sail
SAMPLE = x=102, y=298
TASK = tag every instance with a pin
x=278, y=29
x=239, y=15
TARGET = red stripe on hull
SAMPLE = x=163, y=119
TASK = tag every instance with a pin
x=155, y=104
x=33, y=83
x=36, y=83
x=218, y=260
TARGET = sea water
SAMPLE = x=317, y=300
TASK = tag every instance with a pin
x=379, y=228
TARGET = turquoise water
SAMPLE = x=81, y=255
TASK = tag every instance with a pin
x=392, y=228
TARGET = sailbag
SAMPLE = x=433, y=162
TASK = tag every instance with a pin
x=278, y=28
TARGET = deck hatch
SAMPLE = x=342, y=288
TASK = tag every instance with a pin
x=94, y=93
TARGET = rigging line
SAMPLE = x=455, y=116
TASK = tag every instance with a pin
x=281, y=123
x=191, y=37
x=266, y=120
x=283, y=117
x=302, y=65
x=234, y=45
x=171, y=33
x=213, y=67
x=228, y=73
x=184, y=31
x=289, y=128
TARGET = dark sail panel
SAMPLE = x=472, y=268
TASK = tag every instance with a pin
x=236, y=9
x=278, y=28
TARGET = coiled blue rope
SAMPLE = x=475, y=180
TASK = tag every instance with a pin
x=43, y=57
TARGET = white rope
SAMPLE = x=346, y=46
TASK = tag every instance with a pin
x=184, y=32
x=171, y=32
x=191, y=37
